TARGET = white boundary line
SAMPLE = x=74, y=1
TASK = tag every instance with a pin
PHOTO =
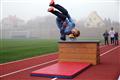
x=28, y=68
x=29, y=58
x=109, y=50
x=101, y=56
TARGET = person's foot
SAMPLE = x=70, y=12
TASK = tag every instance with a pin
x=51, y=9
x=52, y=3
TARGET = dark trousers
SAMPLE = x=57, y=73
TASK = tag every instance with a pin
x=112, y=40
x=62, y=13
x=116, y=41
x=106, y=41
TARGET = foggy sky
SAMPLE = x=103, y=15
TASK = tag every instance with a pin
x=78, y=9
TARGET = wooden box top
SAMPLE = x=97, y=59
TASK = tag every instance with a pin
x=81, y=41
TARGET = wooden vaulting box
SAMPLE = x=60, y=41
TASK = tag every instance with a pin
x=79, y=51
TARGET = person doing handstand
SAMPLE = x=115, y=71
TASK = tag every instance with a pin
x=64, y=22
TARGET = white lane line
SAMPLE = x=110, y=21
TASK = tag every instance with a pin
x=28, y=58
x=100, y=55
x=109, y=51
x=28, y=68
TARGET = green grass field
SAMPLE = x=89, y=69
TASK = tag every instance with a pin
x=11, y=50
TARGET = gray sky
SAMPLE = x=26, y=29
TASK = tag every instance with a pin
x=78, y=9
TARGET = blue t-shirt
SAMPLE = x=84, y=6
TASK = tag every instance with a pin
x=70, y=24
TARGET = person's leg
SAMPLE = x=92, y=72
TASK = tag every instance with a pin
x=59, y=7
x=60, y=17
x=65, y=12
x=107, y=41
x=62, y=9
x=70, y=22
x=111, y=40
x=58, y=14
x=117, y=41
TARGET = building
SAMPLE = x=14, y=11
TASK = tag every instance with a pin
x=93, y=20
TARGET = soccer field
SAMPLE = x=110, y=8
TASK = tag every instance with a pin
x=11, y=49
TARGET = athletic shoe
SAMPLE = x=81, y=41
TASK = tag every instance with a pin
x=51, y=9
x=52, y=3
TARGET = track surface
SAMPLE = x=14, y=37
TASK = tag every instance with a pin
x=108, y=69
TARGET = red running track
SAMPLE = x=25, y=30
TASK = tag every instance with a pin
x=17, y=65
x=109, y=69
